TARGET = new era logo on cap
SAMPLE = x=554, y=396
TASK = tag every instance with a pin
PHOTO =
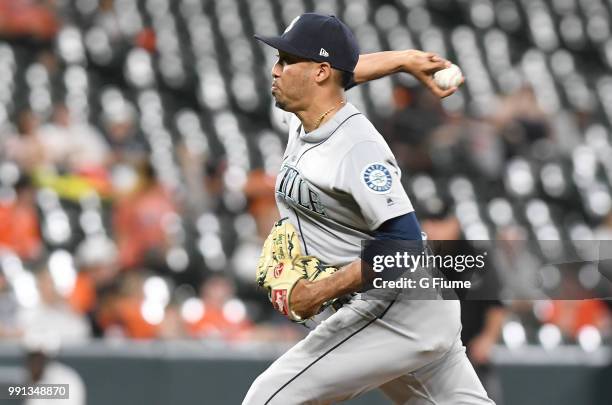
x=323, y=52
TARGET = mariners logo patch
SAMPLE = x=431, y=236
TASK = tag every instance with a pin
x=377, y=178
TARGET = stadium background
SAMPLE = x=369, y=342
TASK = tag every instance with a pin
x=138, y=149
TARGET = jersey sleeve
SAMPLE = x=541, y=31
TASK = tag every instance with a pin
x=370, y=174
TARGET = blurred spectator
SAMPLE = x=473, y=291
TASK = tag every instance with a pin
x=518, y=263
x=53, y=315
x=216, y=168
x=19, y=225
x=193, y=165
x=8, y=310
x=138, y=221
x=173, y=326
x=573, y=315
x=262, y=214
x=26, y=147
x=42, y=369
x=28, y=18
x=72, y=144
x=120, y=312
x=522, y=121
x=105, y=320
x=146, y=39
x=467, y=145
x=97, y=261
x=259, y=190
x=126, y=141
x=224, y=316
x=417, y=113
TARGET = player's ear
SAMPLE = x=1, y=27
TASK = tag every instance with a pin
x=322, y=72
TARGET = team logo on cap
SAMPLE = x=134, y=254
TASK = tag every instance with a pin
x=291, y=24
x=377, y=178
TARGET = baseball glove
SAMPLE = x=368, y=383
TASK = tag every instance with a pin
x=281, y=265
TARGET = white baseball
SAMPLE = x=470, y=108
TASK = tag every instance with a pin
x=448, y=78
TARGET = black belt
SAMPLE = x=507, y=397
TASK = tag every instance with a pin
x=339, y=302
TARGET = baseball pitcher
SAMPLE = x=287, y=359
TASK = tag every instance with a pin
x=340, y=184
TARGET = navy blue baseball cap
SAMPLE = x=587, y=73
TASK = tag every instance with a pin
x=318, y=37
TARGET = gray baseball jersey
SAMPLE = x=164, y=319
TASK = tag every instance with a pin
x=337, y=184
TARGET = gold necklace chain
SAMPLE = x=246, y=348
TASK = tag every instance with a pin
x=327, y=112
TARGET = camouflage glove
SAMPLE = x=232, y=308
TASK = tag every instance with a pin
x=281, y=265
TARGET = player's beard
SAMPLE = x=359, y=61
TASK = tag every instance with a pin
x=285, y=102
x=278, y=102
x=280, y=105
